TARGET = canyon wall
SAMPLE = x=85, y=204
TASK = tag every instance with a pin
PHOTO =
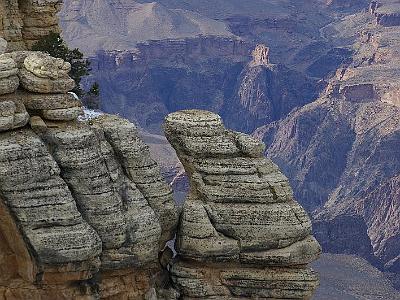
x=341, y=151
x=230, y=78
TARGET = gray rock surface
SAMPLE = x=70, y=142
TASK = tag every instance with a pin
x=8, y=76
x=12, y=113
x=240, y=221
x=3, y=45
x=81, y=202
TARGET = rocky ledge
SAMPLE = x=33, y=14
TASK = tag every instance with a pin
x=241, y=233
x=85, y=213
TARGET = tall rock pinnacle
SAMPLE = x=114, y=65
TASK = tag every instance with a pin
x=260, y=56
x=240, y=221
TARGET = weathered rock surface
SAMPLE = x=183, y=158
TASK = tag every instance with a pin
x=26, y=22
x=45, y=66
x=9, y=81
x=84, y=211
x=12, y=114
x=47, y=77
x=3, y=45
x=241, y=234
x=114, y=229
x=44, y=74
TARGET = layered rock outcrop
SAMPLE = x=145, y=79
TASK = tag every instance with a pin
x=24, y=22
x=241, y=233
x=84, y=211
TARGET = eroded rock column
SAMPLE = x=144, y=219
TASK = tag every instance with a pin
x=241, y=235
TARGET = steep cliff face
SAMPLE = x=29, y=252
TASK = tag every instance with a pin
x=341, y=151
x=23, y=22
x=84, y=211
x=241, y=234
x=265, y=92
x=386, y=13
x=167, y=76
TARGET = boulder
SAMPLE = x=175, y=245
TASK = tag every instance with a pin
x=42, y=73
x=44, y=66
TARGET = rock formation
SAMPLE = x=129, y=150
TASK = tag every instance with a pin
x=260, y=56
x=23, y=22
x=84, y=211
x=241, y=234
x=265, y=92
x=246, y=91
x=345, y=4
x=386, y=13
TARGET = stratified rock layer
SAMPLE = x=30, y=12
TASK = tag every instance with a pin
x=241, y=233
x=25, y=22
x=84, y=212
x=79, y=213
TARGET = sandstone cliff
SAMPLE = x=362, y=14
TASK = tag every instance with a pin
x=23, y=22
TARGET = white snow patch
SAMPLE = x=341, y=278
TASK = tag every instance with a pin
x=89, y=114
